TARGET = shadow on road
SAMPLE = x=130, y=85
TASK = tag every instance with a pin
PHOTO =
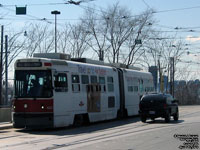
x=3, y=131
x=161, y=121
x=93, y=127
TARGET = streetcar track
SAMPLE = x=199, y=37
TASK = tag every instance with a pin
x=189, y=114
x=65, y=137
x=99, y=129
x=10, y=136
x=103, y=137
x=122, y=131
x=94, y=138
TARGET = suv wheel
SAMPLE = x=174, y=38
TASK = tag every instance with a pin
x=176, y=116
x=152, y=118
x=143, y=119
x=167, y=117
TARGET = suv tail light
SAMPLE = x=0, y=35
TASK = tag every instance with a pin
x=165, y=105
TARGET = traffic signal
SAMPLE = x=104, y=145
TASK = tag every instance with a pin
x=20, y=10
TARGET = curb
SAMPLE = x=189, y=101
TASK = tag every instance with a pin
x=6, y=125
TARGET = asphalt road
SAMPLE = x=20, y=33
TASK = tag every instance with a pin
x=128, y=134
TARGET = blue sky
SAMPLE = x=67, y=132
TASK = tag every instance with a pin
x=175, y=17
x=70, y=13
x=183, y=18
x=186, y=18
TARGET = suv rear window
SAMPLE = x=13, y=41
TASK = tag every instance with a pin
x=155, y=97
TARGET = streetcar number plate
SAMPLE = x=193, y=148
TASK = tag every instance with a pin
x=151, y=112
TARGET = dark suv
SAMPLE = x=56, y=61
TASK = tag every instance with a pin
x=158, y=105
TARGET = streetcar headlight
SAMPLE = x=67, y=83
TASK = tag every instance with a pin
x=25, y=105
x=14, y=107
x=42, y=107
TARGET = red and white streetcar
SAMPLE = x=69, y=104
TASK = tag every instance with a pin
x=51, y=91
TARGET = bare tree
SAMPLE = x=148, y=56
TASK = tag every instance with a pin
x=174, y=49
x=120, y=27
x=153, y=53
x=97, y=28
x=139, y=37
x=185, y=73
x=161, y=49
x=16, y=46
x=64, y=39
x=114, y=29
x=79, y=38
x=159, y=52
x=39, y=39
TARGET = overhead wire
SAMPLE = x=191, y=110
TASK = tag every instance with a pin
x=46, y=4
x=176, y=9
x=148, y=6
x=89, y=8
x=39, y=19
x=85, y=7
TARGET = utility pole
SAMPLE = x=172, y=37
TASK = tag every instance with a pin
x=159, y=71
x=173, y=77
x=1, y=65
x=172, y=72
x=6, y=69
x=161, y=81
x=55, y=12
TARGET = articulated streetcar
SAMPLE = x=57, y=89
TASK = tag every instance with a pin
x=52, y=92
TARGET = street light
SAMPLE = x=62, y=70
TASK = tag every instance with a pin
x=55, y=12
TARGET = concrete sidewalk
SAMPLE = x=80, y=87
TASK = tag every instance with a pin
x=5, y=125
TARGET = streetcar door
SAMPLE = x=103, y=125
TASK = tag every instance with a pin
x=121, y=92
x=61, y=103
x=93, y=98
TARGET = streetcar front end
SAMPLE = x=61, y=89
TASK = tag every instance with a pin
x=33, y=94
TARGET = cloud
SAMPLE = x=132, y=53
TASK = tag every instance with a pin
x=192, y=38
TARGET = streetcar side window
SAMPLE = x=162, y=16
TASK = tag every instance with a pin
x=60, y=82
x=130, y=88
x=110, y=84
x=141, y=85
x=135, y=88
x=84, y=79
x=75, y=83
x=85, y=82
x=93, y=79
x=102, y=86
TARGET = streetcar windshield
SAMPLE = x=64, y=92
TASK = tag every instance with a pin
x=33, y=83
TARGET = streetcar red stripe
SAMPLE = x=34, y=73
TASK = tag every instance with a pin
x=27, y=105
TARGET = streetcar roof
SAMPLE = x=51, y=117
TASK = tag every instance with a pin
x=69, y=62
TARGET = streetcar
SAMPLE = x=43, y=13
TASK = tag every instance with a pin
x=51, y=90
